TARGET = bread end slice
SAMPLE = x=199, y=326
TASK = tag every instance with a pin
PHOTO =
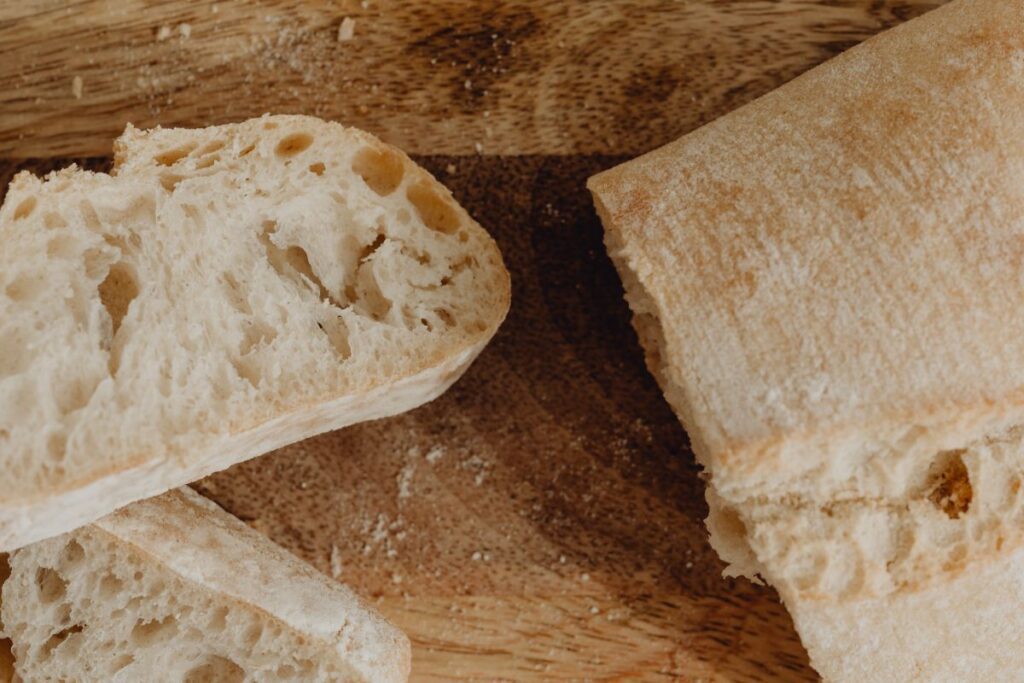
x=175, y=588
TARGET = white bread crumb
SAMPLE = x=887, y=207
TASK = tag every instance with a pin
x=404, y=479
x=347, y=30
x=336, y=566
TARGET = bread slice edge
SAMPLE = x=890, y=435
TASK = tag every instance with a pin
x=25, y=523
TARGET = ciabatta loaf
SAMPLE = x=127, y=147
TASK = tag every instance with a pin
x=224, y=292
x=175, y=589
x=829, y=283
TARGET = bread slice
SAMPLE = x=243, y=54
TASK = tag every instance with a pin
x=828, y=285
x=175, y=589
x=224, y=292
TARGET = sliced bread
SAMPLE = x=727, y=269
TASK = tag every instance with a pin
x=829, y=284
x=225, y=291
x=175, y=589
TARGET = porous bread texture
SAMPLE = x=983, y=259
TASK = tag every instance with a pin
x=174, y=589
x=226, y=291
x=827, y=283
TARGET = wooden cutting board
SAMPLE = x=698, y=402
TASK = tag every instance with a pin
x=543, y=519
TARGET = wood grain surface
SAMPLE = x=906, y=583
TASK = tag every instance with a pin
x=440, y=77
x=542, y=521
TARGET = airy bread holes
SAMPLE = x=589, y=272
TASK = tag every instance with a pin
x=950, y=484
x=25, y=287
x=211, y=147
x=436, y=212
x=214, y=669
x=146, y=633
x=169, y=181
x=381, y=169
x=236, y=297
x=57, y=639
x=446, y=317
x=370, y=249
x=110, y=586
x=172, y=156
x=72, y=555
x=25, y=209
x=252, y=635
x=62, y=246
x=51, y=585
x=293, y=263
x=337, y=334
x=54, y=220
x=207, y=162
x=89, y=215
x=293, y=144
x=117, y=291
x=219, y=619
x=56, y=446
x=120, y=663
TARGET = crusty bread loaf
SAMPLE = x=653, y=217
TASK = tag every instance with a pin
x=828, y=285
x=225, y=292
x=175, y=589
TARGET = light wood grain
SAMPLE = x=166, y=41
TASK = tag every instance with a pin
x=442, y=77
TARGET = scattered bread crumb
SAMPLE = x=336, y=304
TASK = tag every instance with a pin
x=335, y=561
x=450, y=169
x=76, y=87
x=595, y=610
x=347, y=30
x=437, y=452
x=476, y=556
x=185, y=30
x=404, y=480
x=584, y=577
x=478, y=147
x=163, y=33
